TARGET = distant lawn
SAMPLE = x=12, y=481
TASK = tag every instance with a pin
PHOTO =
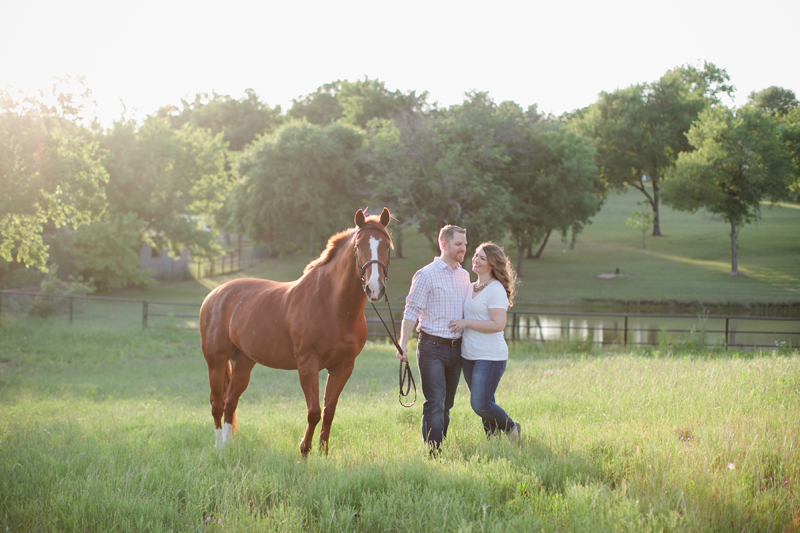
x=691, y=262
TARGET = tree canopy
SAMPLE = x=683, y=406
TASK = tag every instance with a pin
x=640, y=130
x=91, y=196
x=442, y=168
x=50, y=173
x=483, y=166
x=172, y=180
x=240, y=121
x=738, y=160
x=164, y=187
x=354, y=103
x=556, y=187
x=774, y=100
x=296, y=184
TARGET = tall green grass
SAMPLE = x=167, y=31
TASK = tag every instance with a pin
x=110, y=430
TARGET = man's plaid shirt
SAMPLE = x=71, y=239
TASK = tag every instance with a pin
x=437, y=297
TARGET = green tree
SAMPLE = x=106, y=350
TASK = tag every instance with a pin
x=50, y=172
x=443, y=167
x=396, y=154
x=365, y=100
x=784, y=107
x=640, y=130
x=164, y=187
x=240, y=121
x=355, y=103
x=108, y=252
x=320, y=107
x=738, y=160
x=774, y=100
x=790, y=133
x=172, y=180
x=555, y=185
x=296, y=186
x=640, y=221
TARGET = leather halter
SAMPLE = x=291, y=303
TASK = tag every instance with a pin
x=406, y=377
x=363, y=268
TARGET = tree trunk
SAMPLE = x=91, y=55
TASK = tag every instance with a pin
x=520, y=254
x=654, y=203
x=397, y=238
x=734, y=246
x=530, y=251
x=544, y=243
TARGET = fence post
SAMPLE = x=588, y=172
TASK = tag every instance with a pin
x=625, y=332
x=144, y=314
x=726, y=332
x=514, y=326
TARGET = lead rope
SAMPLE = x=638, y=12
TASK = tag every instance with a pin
x=405, y=370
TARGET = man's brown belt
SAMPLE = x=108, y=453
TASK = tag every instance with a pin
x=440, y=340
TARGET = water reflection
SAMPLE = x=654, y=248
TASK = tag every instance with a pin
x=604, y=329
x=742, y=332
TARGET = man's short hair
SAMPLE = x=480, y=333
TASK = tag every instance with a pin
x=447, y=233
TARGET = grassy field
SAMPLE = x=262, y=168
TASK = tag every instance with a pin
x=109, y=429
x=691, y=262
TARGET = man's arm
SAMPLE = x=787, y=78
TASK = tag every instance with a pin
x=405, y=334
x=415, y=303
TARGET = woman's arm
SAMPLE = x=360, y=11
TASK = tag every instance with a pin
x=495, y=324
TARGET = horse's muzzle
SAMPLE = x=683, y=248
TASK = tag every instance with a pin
x=375, y=296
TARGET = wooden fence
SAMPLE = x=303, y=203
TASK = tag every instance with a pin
x=725, y=331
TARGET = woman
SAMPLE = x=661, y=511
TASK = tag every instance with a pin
x=483, y=349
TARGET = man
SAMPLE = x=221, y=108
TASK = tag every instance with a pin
x=435, y=299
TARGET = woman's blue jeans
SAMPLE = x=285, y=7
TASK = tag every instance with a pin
x=482, y=378
x=439, y=372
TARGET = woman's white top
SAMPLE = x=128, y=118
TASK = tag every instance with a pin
x=487, y=346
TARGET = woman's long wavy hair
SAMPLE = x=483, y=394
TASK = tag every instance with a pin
x=502, y=269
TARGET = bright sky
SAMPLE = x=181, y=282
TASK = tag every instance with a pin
x=559, y=55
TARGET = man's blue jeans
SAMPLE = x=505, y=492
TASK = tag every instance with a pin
x=482, y=378
x=439, y=372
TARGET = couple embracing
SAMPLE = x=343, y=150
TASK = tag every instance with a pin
x=460, y=326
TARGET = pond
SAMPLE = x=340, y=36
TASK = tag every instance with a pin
x=736, y=332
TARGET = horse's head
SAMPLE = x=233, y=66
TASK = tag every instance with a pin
x=373, y=249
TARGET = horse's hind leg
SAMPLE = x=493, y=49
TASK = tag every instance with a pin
x=309, y=380
x=219, y=373
x=337, y=379
x=241, y=366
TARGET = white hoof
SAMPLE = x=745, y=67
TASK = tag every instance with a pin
x=220, y=440
x=227, y=433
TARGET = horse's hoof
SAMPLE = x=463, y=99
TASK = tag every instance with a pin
x=304, y=449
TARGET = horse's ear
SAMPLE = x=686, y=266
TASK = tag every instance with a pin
x=385, y=217
x=359, y=218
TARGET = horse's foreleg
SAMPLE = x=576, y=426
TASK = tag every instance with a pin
x=337, y=378
x=241, y=366
x=309, y=380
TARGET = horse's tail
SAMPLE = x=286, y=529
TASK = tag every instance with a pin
x=235, y=421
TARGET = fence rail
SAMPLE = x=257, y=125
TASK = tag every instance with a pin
x=539, y=326
x=231, y=261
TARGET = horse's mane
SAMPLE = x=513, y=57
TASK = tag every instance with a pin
x=341, y=239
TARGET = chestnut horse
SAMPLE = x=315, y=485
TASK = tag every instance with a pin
x=306, y=325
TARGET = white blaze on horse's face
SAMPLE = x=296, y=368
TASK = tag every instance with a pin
x=372, y=282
